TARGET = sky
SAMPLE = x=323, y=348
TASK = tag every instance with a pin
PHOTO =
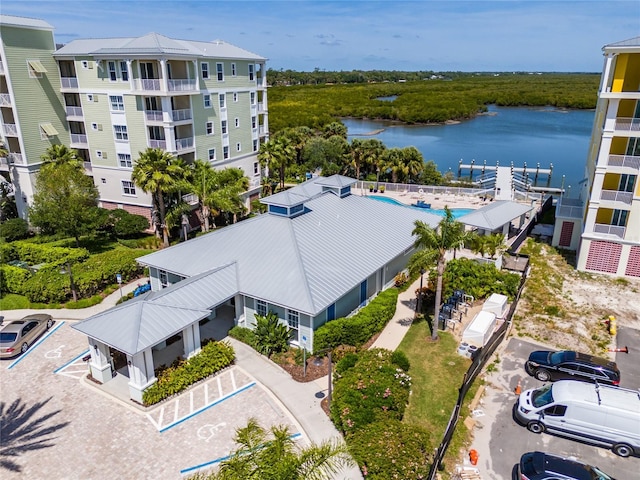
x=439, y=35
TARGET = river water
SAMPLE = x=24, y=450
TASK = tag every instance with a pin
x=547, y=136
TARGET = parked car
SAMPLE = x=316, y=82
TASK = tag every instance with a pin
x=17, y=336
x=547, y=365
x=543, y=466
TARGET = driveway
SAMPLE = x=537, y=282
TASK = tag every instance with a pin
x=500, y=441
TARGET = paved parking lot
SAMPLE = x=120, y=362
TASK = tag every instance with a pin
x=500, y=441
x=89, y=435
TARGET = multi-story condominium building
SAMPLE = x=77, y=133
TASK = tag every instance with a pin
x=196, y=100
x=610, y=240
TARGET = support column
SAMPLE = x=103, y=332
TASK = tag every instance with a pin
x=188, y=342
x=100, y=363
x=164, y=76
x=130, y=72
x=140, y=376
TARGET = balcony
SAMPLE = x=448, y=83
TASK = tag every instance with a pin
x=148, y=84
x=158, y=144
x=261, y=130
x=254, y=183
x=79, y=139
x=261, y=107
x=5, y=100
x=1, y=68
x=609, y=229
x=74, y=111
x=569, y=208
x=153, y=115
x=624, y=161
x=180, y=115
x=16, y=158
x=10, y=129
x=190, y=198
x=617, y=196
x=69, y=82
x=184, y=144
x=88, y=167
x=627, y=124
x=182, y=85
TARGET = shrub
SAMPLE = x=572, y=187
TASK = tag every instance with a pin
x=12, y=278
x=7, y=252
x=401, y=360
x=478, y=279
x=14, y=229
x=245, y=335
x=349, y=361
x=400, y=279
x=48, y=285
x=148, y=242
x=84, y=303
x=127, y=224
x=101, y=269
x=272, y=336
x=213, y=357
x=34, y=253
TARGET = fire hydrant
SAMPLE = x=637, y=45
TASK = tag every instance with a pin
x=473, y=456
x=612, y=325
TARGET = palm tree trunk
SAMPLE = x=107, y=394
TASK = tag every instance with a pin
x=436, y=310
x=163, y=225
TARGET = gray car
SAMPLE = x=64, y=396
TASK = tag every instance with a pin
x=17, y=336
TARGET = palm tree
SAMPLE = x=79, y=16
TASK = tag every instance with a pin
x=60, y=154
x=273, y=455
x=335, y=128
x=394, y=161
x=158, y=172
x=414, y=161
x=432, y=245
x=277, y=154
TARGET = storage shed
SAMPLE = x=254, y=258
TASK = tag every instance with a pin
x=480, y=329
x=497, y=304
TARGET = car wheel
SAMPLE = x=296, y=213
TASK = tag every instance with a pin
x=535, y=427
x=543, y=375
x=49, y=323
x=622, y=450
x=24, y=348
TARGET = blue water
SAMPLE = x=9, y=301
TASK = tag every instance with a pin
x=457, y=212
x=507, y=134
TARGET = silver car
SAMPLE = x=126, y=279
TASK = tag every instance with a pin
x=17, y=336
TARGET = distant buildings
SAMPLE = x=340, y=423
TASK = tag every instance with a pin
x=609, y=222
x=112, y=98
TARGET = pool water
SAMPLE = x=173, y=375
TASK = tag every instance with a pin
x=457, y=212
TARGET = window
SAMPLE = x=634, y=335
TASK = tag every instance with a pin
x=556, y=410
x=125, y=160
x=205, y=70
x=620, y=218
x=251, y=75
x=293, y=320
x=254, y=122
x=207, y=101
x=219, y=69
x=235, y=97
x=225, y=152
x=209, y=128
x=223, y=102
x=164, y=278
x=626, y=183
x=121, y=133
x=212, y=154
x=224, y=127
x=256, y=168
x=238, y=147
x=261, y=308
x=117, y=103
x=124, y=72
x=128, y=188
x=255, y=145
x=237, y=122
x=233, y=69
x=112, y=71
x=253, y=98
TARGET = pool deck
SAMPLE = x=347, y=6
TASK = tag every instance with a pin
x=437, y=201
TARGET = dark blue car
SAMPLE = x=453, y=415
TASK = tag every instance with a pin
x=547, y=365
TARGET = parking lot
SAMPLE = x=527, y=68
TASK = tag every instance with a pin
x=87, y=434
x=500, y=441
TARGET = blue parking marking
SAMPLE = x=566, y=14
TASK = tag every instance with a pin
x=33, y=346
x=71, y=361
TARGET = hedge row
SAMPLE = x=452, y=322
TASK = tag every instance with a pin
x=12, y=278
x=358, y=329
x=478, y=279
x=213, y=357
x=34, y=253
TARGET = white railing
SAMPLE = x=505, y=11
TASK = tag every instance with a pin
x=184, y=85
x=184, y=143
x=261, y=130
x=254, y=182
x=184, y=114
x=5, y=100
x=260, y=81
x=147, y=84
x=88, y=167
x=16, y=158
x=10, y=129
x=568, y=211
x=617, y=196
x=74, y=111
x=190, y=198
x=158, y=144
x=69, y=82
x=153, y=115
x=629, y=161
x=609, y=229
x=1, y=68
x=628, y=124
x=261, y=106
x=78, y=138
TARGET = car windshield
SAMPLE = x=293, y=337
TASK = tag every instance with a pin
x=8, y=337
x=542, y=396
x=597, y=474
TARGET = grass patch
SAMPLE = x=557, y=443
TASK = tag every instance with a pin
x=12, y=301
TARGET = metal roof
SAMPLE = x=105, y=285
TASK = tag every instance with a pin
x=336, y=181
x=633, y=43
x=154, y=44
x=24, y=22
x=495, y=215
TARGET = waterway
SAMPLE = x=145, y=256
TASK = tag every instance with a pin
x=547, y=136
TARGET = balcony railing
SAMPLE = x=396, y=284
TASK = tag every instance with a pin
x=184, y=114
x=153, y=115
x=152, y=84
x=261, y=130
x=628, y=124
x=254, y=182
x=260, y=81
x=69, y=82
x=184, y=85
x=88, y=167
x=10, y=129
x=74, y=111
x=190, y=198
x=184, y=143
x=617, y=196
x=609, y=229
x=79, y=139
x=5, y=100
x=261, y=106
x=569, y=208
x=158, y=144
x=628, y=161
x=16, y=158
x=1, y=68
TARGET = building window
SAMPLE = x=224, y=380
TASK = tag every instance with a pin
x=113, y=76
x=256, y=168
x=219, y=69
x=620, y=218
x=626, y=183
x=235, y=97
x=253, y=98
x=233, y=69
x=238, y=147
x=225, y=152
x=124, y=72
x=128, y=188
x=121, y=133
x=117, y=103
x=125, y=160
x=207, y=101
x=261, y=308
x=237, y=122
x=224, y=127
x=255, y=145
x=251, y=75
x=205, y=70
x=293, y=320
x=164, y=278
x=212, y=154
x=223, y=101
x=209, y=128
x=254, y=122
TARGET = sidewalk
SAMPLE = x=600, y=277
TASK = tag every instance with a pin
x=398, y=326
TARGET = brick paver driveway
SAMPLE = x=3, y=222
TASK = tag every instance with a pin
x=85, y=434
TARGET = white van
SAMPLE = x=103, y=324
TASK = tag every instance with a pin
x=599, y=414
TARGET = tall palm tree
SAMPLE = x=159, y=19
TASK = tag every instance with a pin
x=61, y=154
x=273, y=455
x=277, y=154
x=432, y=245
x=394, y=161
x=414, y=161
x=157, y=172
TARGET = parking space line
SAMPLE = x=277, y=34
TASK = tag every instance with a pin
x=65, y=369
x=71, y=361
x=34, y=345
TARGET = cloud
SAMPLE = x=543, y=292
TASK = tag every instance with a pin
x=397, y=35
x=329, y=40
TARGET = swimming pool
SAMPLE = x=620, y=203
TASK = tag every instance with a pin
x=457, y=212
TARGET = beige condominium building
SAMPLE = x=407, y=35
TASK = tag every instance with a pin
x=118, y=96
x=610, y=240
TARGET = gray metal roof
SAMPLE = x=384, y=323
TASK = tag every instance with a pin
x=304, y=263
x=495, y=215
x=336, y=181
x=633, y=43
x=154, y=44
x=285, y=199
x=25, y=22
